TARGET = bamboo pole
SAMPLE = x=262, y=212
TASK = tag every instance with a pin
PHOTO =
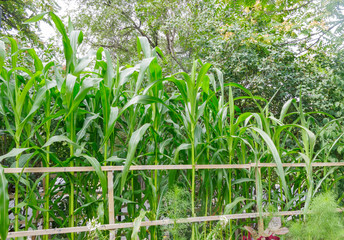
x=115, y=226
x=111, y=204
x=165, y=167
x=145, y=224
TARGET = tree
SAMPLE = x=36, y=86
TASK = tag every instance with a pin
x=15, y=12
x=268, y=46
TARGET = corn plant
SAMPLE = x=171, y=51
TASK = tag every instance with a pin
x=91, y=110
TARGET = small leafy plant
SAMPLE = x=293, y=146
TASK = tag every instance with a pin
x=322, y=222
x=274, y=228
x=218, y=230
x=176, y=204
x=94, y=232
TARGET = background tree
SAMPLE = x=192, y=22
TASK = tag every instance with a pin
x=264, y=45
x=14, y=14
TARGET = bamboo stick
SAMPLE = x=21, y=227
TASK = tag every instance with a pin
x=165, y=167
x=111, y=204
x=145, y=224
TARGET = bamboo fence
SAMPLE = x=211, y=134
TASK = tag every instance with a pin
x=112, y=226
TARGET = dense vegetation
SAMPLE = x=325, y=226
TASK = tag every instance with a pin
x=94, y=111
x=13, y=15
x=264, y=45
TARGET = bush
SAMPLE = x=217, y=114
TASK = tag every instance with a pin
x=323, y=221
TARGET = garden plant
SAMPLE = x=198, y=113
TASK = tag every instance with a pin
x=91, y=110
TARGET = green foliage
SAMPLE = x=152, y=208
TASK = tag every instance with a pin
x=14, y=13
x=218, y=231
x=176, y=204
x=266, y=46
x=137, y=223
x=323, y=221
x=92, y=112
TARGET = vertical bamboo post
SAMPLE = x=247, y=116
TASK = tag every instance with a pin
x=111, y=204
x=259, y=204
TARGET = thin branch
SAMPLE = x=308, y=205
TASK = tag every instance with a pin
x=297, y=8
x=138, y=28
x=313, y=44
x=171, y=51
x=288, y=10
x=114, y=45
x=311, y=35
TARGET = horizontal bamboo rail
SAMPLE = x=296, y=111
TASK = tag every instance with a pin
x=36, y=221
x=165, y=167
x=147, y=223
x=110, y=169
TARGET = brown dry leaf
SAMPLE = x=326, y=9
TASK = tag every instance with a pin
x=252, y=231
x=267, y=233
x=282, y=231
x=275, y=224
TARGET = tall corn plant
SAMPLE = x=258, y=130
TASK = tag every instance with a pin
x=72, y=92
x=4, y=199
x=134, y=115
x=189, y=88
x=18, y=82
x=73, y=86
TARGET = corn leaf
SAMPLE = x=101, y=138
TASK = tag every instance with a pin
x=133, y=142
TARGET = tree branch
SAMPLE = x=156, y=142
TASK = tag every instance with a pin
x=311, y=35
x=171, y=51
x=138, y=29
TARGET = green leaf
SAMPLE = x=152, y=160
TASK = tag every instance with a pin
x=276, y=157
x=36, y=18
x=133, y=142
x=143, y=67
x=58, y=138
x=83, y=63
x=24, y=158
x=141, y=99
x=87, y=123
x=14, y=49
x=96, y=165
x=115, y=159
x=80, y=37
x=37, y=62
x=143, y=44
x=124, y=201
x=59, y=25
x=109, y=70
x=67, y=48
x=202, y=73
x=37, y=103
x=100, y=212
x=285, y=109
x=86, y=85
x=21, y=100
x=4, y=203
x=84, y=206
x=13, y=153
x=230, y=206
x=2, y=54
x=183, y=146
x=205, y=84
x=111, y=124
x=242, y=180
x=137, y=224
